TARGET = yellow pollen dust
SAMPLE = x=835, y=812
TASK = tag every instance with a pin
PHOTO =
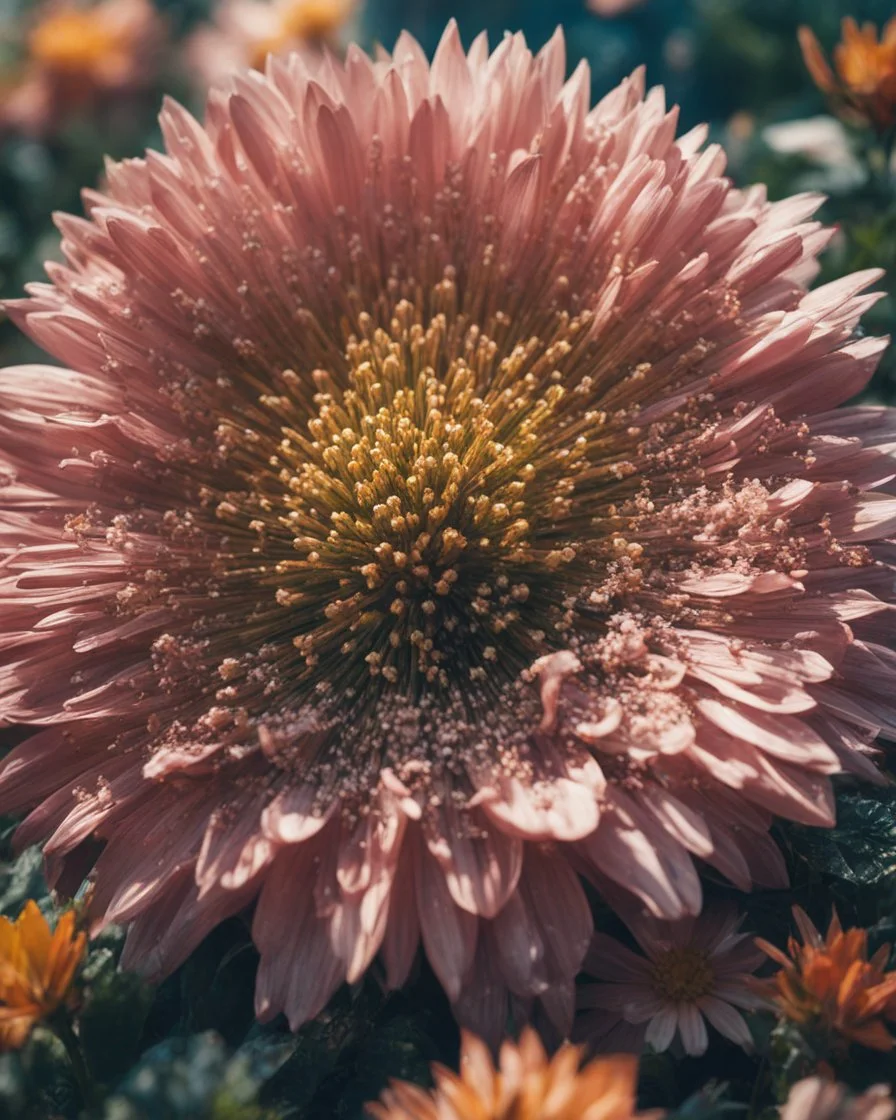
x=683, y=974
x=425, y=501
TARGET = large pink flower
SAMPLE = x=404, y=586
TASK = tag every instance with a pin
x=444, y=501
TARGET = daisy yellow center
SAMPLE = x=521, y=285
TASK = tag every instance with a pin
x=72, y=41
x=682, y=974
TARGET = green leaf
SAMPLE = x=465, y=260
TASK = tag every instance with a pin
x=36, y=1082
x=710, y=1103
x=861, y=849
x=792, y=1056
x=191, y=1078
x=23, y=878
x=112, y=1017
x=13, y=1087
x=218, y=981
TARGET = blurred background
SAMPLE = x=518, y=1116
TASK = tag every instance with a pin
x=81, y=79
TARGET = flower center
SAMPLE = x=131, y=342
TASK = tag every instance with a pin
x=683, y=974
x=425, y=510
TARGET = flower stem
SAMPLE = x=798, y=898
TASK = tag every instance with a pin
x=758, y=1086
x=64, y=1032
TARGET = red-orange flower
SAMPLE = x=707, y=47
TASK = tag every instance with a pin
x=831, y=984
x=525, y=1085
x=37, y=968
x=863, y=81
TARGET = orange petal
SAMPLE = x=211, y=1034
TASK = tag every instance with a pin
x=36, y=937
x=773, y=952
x=873, y=1035
x=816, y=63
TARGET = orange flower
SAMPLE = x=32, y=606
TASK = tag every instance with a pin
x=830, y=984
x=315, y=19
x=245, y=32
x=864, y=85
x=36, y=970
x=526, y=1085
x=76, y=55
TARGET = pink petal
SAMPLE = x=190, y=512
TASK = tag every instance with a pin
x=692, y=1028
x=449, y=933
x=726, y=1020
x=661, y=1029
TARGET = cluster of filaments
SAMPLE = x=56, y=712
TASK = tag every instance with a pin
x=437, y=530
x=682, y=973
